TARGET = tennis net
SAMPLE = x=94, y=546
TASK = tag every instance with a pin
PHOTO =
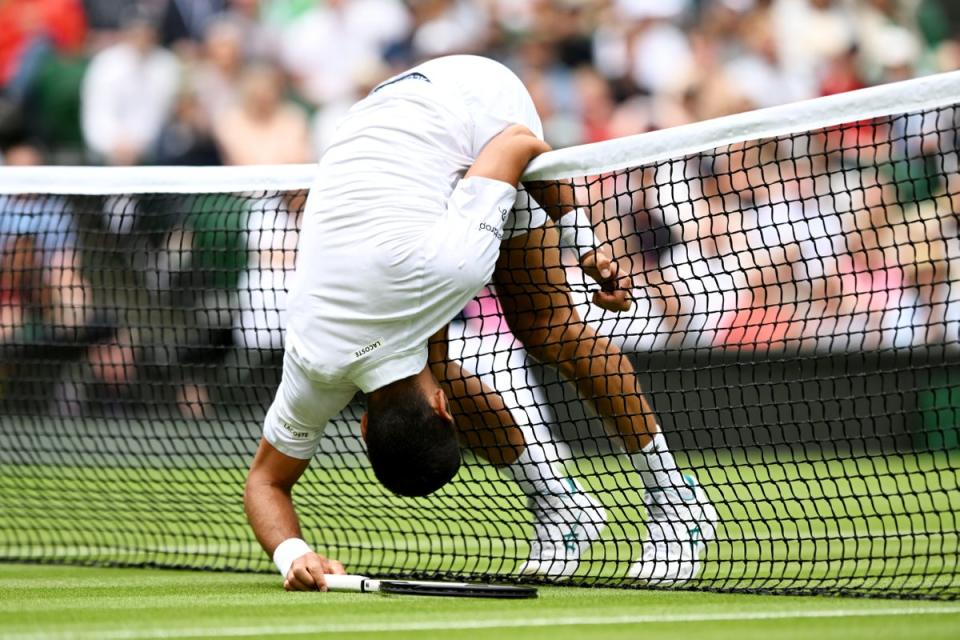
x=796, y=328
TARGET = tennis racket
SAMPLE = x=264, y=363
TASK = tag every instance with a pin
x=363, y=584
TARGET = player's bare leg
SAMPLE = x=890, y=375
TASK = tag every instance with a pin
x=532, y=288
x=484, y=423
x=566, y=520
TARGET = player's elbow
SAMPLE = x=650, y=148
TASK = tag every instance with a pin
x=252, y=489
x=507, y=154
x=260, y=483
x=523, y=142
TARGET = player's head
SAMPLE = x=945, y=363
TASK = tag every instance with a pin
x=410, y=435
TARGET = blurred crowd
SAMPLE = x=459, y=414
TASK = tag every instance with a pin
x=264, y=81
x=830, y=241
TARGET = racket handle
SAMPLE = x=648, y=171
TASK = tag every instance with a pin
x=360, y=584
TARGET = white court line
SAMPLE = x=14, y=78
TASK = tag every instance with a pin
x=457, y=625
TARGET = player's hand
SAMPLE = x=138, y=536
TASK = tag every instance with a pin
x=306, y=572
x=614, y=294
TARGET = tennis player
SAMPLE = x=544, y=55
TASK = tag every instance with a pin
x=403, y=226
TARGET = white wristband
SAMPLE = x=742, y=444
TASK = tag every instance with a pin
x=576, y=232
x=288, y=551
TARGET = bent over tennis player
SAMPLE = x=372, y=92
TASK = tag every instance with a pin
x=403, y=227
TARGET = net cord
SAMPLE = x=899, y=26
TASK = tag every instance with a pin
x=920, y=94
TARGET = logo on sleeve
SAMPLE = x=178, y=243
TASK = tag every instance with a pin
x=492, y=229
x=367, y=350
x=503, y=213
x=299, y=435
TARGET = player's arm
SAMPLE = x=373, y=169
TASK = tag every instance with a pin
x=269, y=506
x=576, y=232
x=507, y=155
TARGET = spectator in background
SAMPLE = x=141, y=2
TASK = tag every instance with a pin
x=561, y=127
x=841, y=73
x=18, y=273
x=889, y=47
x=207, y=250
x=187, y=138
x=596, y=105
x=107, y=16
x=808, y=34
x=326, y=48
x=186, y=21
x=40, y=270
x=755, y=70
x=262, y=35
x=102, y=382
x=273, y=231
x=218, y=73
x=30, y=31
x=259, y=313
x=128, y=94
x=263, y=128
x=447, y=27
x=640, y=42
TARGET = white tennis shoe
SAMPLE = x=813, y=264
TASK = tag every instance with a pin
x=564, y=527
x=680, y=523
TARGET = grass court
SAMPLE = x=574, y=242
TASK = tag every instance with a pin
x=77, y=603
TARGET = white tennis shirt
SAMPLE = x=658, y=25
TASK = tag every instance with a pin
x=394, y=243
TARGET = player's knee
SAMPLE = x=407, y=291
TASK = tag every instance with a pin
x=565, y=363
x=554, y=347
x=541, y=344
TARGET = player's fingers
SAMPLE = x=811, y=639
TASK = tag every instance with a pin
x=304, y=577
x=317, y=566
x=602, y=300
x=334, y=567
x=603, y=264
x=613, y=300
x=293, y=584
x=610, y=283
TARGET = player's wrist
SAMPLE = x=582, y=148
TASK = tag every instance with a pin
x=576, y=232
x=287, y=552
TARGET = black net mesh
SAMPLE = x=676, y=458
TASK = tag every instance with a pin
x=795, y=333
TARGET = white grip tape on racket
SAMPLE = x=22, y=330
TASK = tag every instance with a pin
x=359, y=584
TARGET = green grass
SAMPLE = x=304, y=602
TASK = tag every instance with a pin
x=871, y=524
x=103, y=604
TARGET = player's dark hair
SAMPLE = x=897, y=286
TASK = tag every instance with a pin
x=413, y=451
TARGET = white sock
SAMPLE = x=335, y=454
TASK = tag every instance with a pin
x=535, y=474
x=657, y=468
